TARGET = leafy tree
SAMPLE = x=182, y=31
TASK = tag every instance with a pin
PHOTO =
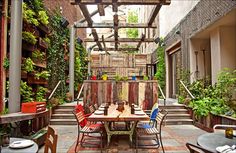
x=132, y=18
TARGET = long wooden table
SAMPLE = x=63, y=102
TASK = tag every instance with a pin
x=116, y=116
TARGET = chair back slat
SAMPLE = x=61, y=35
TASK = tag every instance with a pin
x=51, y=141
x=160, y=118
x=80, y=117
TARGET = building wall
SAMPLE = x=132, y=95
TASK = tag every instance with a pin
x=204, y=15
x=171, y=15
x=70, y=12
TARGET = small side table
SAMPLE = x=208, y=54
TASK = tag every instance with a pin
x=32, y=149
x=211, y=141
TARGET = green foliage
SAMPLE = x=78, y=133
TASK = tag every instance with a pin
x=145, y=77
x=55, y=54
x=42, y=74
x=36, y=5
x=29, y=15
x=132, y=18
x=117, y=77
x=38, y=55
x=216, y=99
x=80, y=64
x=161, y=67
x=28, y=65
x=29, y=37
x=26, y=92
x=47, y=40
x=43, y=17
x=40, y=94
x=6, y=63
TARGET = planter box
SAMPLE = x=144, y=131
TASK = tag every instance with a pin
x=43, y=28
x=28, y=47
x=33, y=107
x=40, y=63
x=42, y=44
x=33, y=80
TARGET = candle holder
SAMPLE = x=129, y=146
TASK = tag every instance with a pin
x=229, y=133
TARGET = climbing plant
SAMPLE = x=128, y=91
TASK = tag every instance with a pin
x=161, y=73
x=55, y=54
x=80, y=64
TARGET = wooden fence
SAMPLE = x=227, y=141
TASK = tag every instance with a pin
x=143, y=93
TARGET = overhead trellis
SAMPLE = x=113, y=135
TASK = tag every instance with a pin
x=100, y=41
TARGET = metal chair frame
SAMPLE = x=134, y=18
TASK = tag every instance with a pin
x=196, y=148
x=155, y=130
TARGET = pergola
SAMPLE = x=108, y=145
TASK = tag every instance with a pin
x=87, y=22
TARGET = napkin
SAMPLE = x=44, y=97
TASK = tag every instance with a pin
x=226, y=149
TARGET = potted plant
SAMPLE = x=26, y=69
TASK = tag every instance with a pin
x=28, y=65
x=145, y=77
x=104, y=77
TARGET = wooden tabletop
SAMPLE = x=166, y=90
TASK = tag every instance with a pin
x=115, y=115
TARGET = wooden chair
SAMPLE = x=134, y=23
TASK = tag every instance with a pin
x=51, y=141
x=86, y=128
x=196, y=148
x=152, y=130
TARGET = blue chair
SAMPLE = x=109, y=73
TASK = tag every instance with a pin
x=153, y=115
x=152, y=129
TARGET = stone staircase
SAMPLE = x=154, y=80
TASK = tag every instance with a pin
x=62, y=115
x=177, y=113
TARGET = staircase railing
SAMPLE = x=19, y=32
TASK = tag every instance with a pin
x=54, y=90
x=164, y=97
x=81, y=89
x=182, y=83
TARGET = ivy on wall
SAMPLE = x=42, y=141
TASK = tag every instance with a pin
x=161, y=67
x=55, y=54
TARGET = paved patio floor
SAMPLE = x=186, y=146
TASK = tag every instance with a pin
x=174, y=139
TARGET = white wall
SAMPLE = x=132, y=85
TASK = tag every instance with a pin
x=228, y=47
x=171, y=15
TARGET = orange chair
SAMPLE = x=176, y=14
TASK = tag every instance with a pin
x=51, y=141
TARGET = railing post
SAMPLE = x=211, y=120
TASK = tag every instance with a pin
x=72, y=60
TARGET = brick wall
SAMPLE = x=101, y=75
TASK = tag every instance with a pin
x=205, y=13
x=70, y=12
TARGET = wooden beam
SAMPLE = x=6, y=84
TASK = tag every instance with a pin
x=95, y=36
x=116, y=22
x=101, y=10
x=91, y=15
x=86, y=14
x=111, y=25
x=114, y=6
x=141, y=41
x=153, y=14
x=149, y=40
x=104, y=44
x=119, y=49
x=121, y=2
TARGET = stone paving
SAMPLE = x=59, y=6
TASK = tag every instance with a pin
x=174, y=140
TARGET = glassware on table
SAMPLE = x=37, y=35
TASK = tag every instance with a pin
x=229, y=133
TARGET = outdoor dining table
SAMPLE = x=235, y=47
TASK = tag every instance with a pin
x=117, y=116
x=31, y=149
x=211, y=141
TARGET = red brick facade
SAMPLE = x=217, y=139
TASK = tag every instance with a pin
x=70, y=12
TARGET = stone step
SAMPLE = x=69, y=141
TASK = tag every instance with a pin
x=177, y=111
x=179, y=121
x=172, y=107
x=71, y=107
x=63, y=116
x=62, y=111
x=63, y=122
x=178, y=116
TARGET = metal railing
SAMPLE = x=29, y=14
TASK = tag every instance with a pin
x=187, y=89
x=164, y=97
x=81, y=89
x=54, y=90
